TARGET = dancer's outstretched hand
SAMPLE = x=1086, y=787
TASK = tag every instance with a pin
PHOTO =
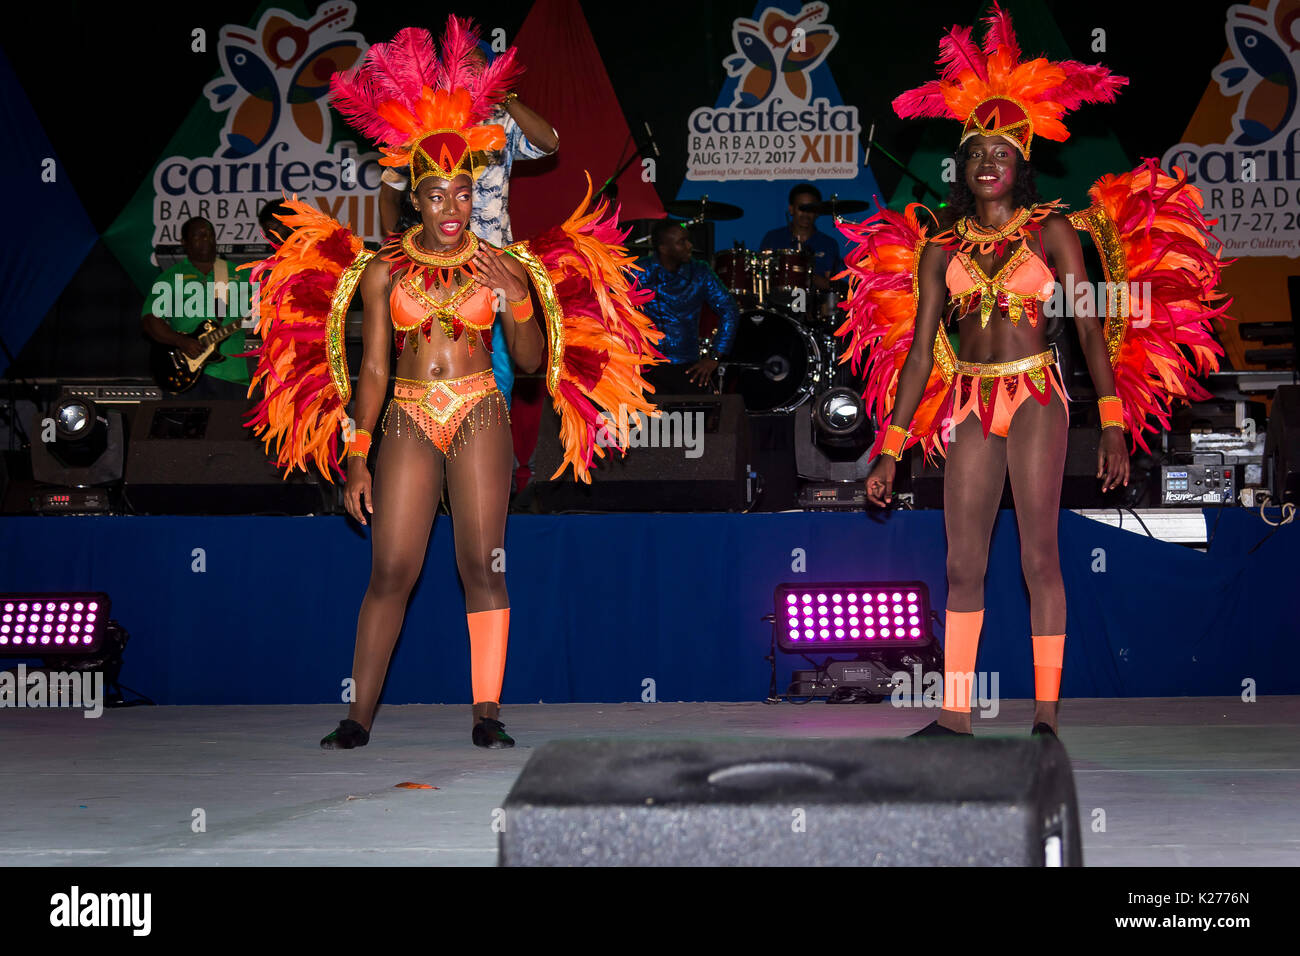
x=358, y=488
x=880, y=483
x=1112, y=459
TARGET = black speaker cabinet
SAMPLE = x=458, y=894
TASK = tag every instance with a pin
x=694, y=457
x=983, y=802
x=1282, y=444
x=196, y=457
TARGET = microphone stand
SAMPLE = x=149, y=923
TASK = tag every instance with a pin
x=609, y=189
x=925, y=185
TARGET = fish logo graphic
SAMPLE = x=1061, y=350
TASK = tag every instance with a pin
x=778, y=51
x=1263, y=69
x=282, y=66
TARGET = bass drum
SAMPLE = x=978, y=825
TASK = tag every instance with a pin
x=775, y=363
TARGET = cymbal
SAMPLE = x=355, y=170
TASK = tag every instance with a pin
x=836, y=207
x=703, y=208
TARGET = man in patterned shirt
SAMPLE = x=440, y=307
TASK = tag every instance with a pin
x=528, y=136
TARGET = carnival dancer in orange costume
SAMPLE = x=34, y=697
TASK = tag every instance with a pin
x=999, y=406
x=437, y=289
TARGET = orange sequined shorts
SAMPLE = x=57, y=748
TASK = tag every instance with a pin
x=994, y=390
x=443, y=410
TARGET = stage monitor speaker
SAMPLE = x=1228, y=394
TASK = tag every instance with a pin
x=1282, y=444
x=994, y=802
x=694, y=457
x=196, y=457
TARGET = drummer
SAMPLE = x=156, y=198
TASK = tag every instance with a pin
x=801, y=233
x=682, y=286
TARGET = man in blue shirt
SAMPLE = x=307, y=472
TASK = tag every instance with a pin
x=682, y=286
x=801, y=232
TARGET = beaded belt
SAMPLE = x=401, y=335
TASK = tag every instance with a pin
x=442, y=398
x=1000, y=369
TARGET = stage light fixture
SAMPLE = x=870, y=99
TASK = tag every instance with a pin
x=87, y=445
x=841, y=417
x=852, y=616
x=53, y=623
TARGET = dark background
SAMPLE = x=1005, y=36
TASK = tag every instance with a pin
x=663, y=59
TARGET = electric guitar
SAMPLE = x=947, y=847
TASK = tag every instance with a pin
x=176, y=372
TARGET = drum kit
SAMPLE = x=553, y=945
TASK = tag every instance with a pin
x=785, y=350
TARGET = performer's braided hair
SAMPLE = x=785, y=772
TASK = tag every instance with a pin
x=961, y=201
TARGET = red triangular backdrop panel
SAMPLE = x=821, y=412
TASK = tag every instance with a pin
x=565, y=81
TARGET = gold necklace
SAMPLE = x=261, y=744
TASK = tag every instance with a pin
x=439, y=260
x=969, y=228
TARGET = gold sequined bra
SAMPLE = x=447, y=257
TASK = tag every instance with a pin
x=1023, y=281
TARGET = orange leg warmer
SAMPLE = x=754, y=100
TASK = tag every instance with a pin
x=961, y=640
x=1049, y=654
x=488, y=631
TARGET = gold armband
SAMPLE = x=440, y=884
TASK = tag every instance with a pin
x=895, y=438
x=1112, y=411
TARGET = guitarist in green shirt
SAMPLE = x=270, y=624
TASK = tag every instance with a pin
x=194, y=313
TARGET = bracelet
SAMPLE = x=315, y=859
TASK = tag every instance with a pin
x=895, y=438
x=1112, y=411
x=360, y=445
x=512, y=95
x=521, y=310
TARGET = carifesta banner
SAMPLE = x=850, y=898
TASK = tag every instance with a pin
x=261, y=129
x=1241, y=148
x=778, y=121
x=1243, y=145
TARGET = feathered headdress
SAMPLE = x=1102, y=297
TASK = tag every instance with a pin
x=423, y=108
x=996, y=94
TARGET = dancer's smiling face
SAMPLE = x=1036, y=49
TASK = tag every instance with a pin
x=444, y=207
x=990, y=167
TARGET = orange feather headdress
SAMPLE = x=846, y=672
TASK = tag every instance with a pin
x=422, y=108
x=994, y=93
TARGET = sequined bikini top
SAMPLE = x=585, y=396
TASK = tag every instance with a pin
x=1023, y=281
x=1018, y=286
x=414, y=308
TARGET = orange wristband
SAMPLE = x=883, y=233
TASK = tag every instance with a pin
x=1112, y=411
x=895, y=438
x=360, y=445
x=522, y=310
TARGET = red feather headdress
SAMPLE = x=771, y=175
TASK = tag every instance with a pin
x=423, y=108
x=997, y=94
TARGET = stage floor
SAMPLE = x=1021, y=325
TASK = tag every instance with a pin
x=1181, y=781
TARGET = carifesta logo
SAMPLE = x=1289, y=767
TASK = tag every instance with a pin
x=1250, y=181
x=777, y=52
x=773, y=128
x=1263, y=70
x=281, y=70
x=276, y=138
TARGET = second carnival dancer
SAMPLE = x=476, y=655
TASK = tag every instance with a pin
x=999, y=406
x=436, y=289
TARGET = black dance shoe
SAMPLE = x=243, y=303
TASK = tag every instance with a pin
x=348, y=735
x=936, y=729
x=1042, y=730
x=491, y=734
